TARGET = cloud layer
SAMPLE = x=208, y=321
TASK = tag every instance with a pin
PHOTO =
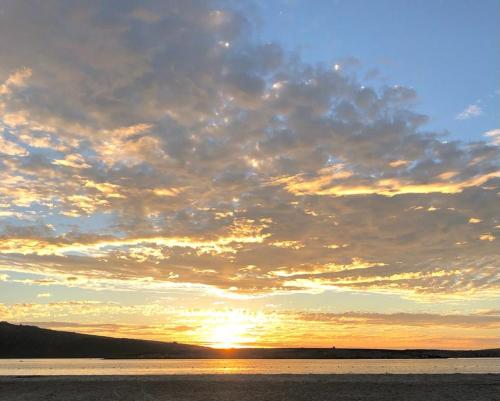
x=155, y=144
x=265, y=327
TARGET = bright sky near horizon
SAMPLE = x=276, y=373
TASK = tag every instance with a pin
x=252, y=173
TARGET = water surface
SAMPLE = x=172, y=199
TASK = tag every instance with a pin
x=21, y=367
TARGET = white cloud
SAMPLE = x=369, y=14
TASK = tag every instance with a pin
x=471, y=111
x=494, y=135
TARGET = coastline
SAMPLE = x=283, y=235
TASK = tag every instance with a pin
x=290, y=387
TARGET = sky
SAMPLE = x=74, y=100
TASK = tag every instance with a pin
x=252, y=173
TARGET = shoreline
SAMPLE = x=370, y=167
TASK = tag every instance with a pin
x=235, y=377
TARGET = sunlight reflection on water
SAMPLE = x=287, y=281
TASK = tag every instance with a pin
x=18, y=367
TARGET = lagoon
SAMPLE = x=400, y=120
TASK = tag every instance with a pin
x=138, y=367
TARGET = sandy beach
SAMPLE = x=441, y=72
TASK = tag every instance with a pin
x=455, y=387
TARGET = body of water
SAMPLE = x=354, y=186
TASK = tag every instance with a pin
x=22, y=367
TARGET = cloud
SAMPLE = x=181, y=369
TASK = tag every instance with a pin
x=494, y=135
x=159, y=146
x=471, y=111
x=16, y=79
x=326, y=184
x=489, y=319
x=10, y=148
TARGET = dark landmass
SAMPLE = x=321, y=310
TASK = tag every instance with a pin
x=19, y=341
x=456, y=387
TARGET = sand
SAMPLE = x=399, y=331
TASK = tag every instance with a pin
x=252, y=387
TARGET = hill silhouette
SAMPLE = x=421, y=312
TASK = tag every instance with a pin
x=21, y=341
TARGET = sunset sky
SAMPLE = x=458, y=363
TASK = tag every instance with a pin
x=252, y=173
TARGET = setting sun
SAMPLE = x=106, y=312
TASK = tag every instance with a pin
x=228, y=336
x=231, y=329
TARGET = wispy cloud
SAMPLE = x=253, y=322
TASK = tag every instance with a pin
x=269, y=327
x=494, y=136
x=471, y=111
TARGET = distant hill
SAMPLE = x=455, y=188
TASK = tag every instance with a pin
x=19, y=341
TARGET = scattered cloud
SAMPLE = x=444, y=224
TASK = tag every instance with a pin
x=142, y=152
x=471, y=111
x=494, y=135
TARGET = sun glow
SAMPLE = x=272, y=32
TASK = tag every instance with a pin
x=228, y=335
x=232, y=329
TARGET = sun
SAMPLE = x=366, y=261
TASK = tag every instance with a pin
x=227, y=336
x=230, y=329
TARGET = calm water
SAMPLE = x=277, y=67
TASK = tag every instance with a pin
x=18, y=367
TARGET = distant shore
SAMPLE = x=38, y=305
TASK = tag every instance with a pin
x=458, y=387
x=18, y=341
